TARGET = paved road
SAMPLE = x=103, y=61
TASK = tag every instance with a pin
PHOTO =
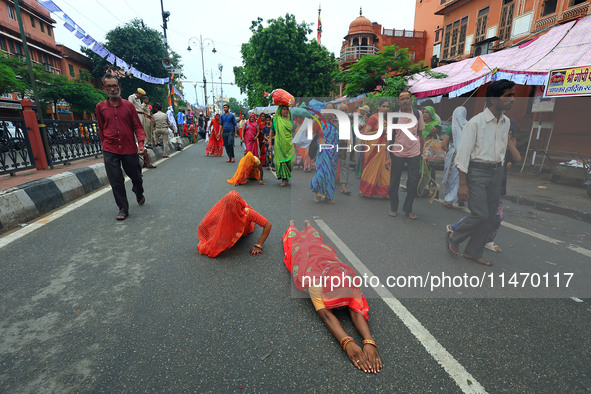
x=89, y=304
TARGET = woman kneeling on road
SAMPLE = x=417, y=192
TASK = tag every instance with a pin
x=229, y=220
x=315, y=268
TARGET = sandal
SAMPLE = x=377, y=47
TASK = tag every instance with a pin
x=141, y=200
x=452, y=247
x=493, y=246
x=283, y=183
x=412, y=216
x=121, y=215
x=480, y=260
x=447, y=204
x=346, y=192
x=393, y=214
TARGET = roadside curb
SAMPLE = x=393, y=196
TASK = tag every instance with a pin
x=552, y=208
x=31, y=200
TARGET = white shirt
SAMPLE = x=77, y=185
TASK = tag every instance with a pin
x=484, y=139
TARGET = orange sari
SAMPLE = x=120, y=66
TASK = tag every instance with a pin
x=246, y=170
x=227, y=221
x=375, y=178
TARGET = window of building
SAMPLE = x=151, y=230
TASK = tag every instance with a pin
x=42, y=27
x=549, y=7
x=455, y=38
x=11, y=12
x=3, y=44
x=11, y=46
x=49, y=30
x=506, y=20
x=576, y=2
x=72, y=72
x=32, y=21
x=411, y=55
x=481, y=25
x=19, y=48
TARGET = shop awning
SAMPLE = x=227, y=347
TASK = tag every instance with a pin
x=567, y=45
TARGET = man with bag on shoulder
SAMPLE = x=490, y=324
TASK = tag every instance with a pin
x=410, y=154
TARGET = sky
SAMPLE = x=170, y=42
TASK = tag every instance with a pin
x=227, y=25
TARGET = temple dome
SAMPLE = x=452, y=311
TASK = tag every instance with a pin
x=360, y=25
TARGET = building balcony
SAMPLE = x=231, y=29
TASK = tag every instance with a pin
x=564, y=16
x=352, y=54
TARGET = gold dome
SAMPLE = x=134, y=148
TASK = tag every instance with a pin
x=360, y=25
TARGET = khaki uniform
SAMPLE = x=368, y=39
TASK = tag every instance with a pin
x=147, y=123
x=161, y=129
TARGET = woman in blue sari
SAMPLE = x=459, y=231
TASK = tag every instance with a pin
x=323, y=183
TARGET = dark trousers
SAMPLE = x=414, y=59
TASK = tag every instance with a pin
x=484, y=186
x=228, y=137
x=131, y=165
x=412, y=181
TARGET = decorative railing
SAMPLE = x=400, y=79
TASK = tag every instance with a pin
x=575, y=12
x=72, y=140
x=545, y=22
x=15, y=149
x=350, y=54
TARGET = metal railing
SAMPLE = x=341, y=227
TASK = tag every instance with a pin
x=15, y=149
x=354, y=53
x=71, y=140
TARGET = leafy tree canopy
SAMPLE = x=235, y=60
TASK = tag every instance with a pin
x=51, y=88
x=141, y=47
x=392, y=64
x=237, y=107
x=280, y=55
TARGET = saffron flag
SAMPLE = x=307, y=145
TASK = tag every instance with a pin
x=478, y=64
x=319, y=27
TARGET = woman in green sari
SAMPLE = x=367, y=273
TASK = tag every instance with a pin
x=432, y=124
x=284, y=150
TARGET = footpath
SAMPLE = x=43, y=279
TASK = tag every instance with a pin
x=31, y=194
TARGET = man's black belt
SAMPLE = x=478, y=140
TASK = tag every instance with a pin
x=485, y=166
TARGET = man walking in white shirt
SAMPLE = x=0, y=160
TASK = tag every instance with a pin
x=479, y=160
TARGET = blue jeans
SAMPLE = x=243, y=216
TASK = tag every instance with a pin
x=228, y=137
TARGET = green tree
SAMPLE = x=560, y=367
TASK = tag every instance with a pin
x=9, y=81
x=237, y=107
x=390, y=66
x=280, y=55
x=141, y=47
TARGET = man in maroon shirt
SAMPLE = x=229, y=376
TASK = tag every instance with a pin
x=119, y=128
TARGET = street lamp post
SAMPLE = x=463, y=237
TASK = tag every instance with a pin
x=202, y=44
x=221, y=67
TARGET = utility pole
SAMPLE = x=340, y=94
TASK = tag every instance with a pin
x=42, y=127
x=165, y=16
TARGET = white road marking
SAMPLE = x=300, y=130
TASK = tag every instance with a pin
x=554, y=241
x=575, y=299
x=8, y=239
x=454, y=369
x=574, y=248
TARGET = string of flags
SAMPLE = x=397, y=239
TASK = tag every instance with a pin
x=97, y=48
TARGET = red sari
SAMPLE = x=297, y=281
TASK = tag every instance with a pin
x=227, y=221
x=215, y=146
x=311, y=262
x=250, y=132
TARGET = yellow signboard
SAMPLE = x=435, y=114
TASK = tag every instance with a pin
x=569, y=82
